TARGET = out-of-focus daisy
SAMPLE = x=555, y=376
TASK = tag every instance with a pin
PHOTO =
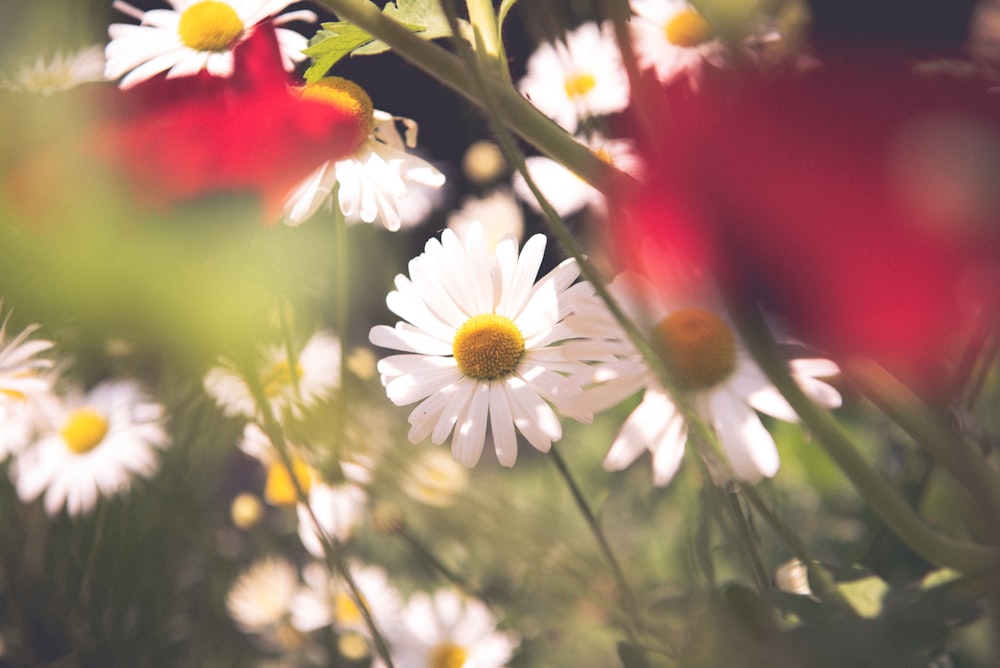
x=482, y=343
x=498, y=213
x=195, y=35
x=279, y=488
x=449, y=630
x=289, y=385
x=97, y=443
x=567, y=192
x=20, y=364
x=673, y=38
x=435, y=479
x=582, y=77
x=708, y=363
x=338, y=510
x=63, y=72
x=375, y=182
x=260, y=599
x=327, y=600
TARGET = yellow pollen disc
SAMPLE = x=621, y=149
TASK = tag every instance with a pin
x=447, y=655
x=345, y=610
x=84, y=430
x=488, y=347
x=13, y=394
x=579, y=85
x=209, y=26
x=279, y=377
x=279, y=490
x=688, y=28
x=348, y=97
x=698, y=347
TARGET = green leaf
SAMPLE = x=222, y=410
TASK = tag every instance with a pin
x=423, y=17
x=333, y=42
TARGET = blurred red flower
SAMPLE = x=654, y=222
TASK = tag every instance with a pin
x=860, y=202
x=176, y=139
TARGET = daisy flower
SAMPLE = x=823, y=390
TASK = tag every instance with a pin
x=709, y=364
x=260, y=599
x=673, y=38
x=338, y=509
x=195, y=35
x=581, y=77
x=482, y=343
x=378, y=180
x=63, y=72
x=288, y=387
x=97, y=442
x=435, y=479
x=498, y=213
x=20, y=364
x=326, y=600
x=447, y=629
x=567, y=192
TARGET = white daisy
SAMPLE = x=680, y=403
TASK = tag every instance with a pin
x=63, y=72
x=195, y=35
x=338, y=509
x=708, y=362
x=20, y=364
x=498, y=213
x=97, y=443
x=288, y=387
x=435, y=479
x=673, y=38
x=483, y=343
x=582, y=77
x=260, y=600
x=381, y=181
x=567, y=192
x=449, y=630
x=326, y=600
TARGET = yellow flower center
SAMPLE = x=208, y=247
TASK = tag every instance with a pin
x=14, y=395
x=579, y=85
x=345, y=610
x=279, y=377
x=209, y=26
x=688, y=28
x=279, y=490
x=447, y=655
x=348, y=97
x=84, y=430
x=488, y=347
x=698, y=347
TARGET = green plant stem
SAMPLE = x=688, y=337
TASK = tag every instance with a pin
x=884, y=499
x=631, y=602
x=331, y=549
x=447, y=573
x=513, y=110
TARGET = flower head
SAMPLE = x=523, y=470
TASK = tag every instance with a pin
x=60, y=73
x=706, y=360
x=673, y=38
x=449, y=630
x=327, y=600
x=260, y=599
x=582, y=77
x=483, y=343
x=376, y=181
x=97, y=442
x=290, y=386
x=195, y=35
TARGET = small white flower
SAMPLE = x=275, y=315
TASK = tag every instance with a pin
x=327, y=600
x=338, y=510
x=449, y=629
x=435, y=479
x=20, y=364
x=566, y=192
x=97, y=443
x=63, y=72
x=288, y=386
x=380, y=182
x=483, y=343
x=195, y=35
x=498, y=213
x=673, y=38
x=583, y=77
x=260, y=599
x=708, y=362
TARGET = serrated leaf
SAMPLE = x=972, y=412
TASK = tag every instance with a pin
x=334, y=41
x=424, y=13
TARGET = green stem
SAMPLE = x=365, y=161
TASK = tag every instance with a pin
x=884, y=499
x=514, y=111
x=447, y=573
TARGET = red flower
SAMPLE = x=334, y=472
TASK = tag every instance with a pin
x=176, y=139
x=860, y=202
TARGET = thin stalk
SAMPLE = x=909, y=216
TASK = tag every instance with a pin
x=447, y=573
x=343, y=277
x=884, y=499
x=330, y=546
x=631, y=601
x=751, y=554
